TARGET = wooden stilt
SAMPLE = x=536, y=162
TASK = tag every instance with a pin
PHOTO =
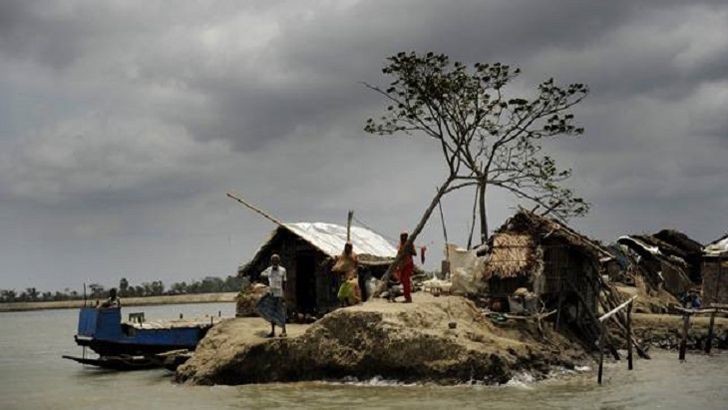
x=629, y=338
x=601, y=359
x=709, y=341
x=561, y=301
x=684, y=337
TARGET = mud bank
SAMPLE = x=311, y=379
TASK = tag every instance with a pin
x=406, y=342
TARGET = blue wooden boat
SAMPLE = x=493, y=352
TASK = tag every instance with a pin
x=133, y=344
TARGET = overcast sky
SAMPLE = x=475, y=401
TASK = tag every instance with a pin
x=124, y=123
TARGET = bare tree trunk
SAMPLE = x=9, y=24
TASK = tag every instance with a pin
x=483, y=216
x=413, y=235
x=472, y=223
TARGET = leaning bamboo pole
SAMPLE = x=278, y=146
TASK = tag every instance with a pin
x=257, y=210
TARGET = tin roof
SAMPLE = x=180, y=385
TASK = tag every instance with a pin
x=331, y=238
x=718, y=247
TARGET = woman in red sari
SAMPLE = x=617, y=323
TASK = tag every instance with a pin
x=406, y=267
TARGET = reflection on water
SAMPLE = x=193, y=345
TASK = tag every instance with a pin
x=33, y=376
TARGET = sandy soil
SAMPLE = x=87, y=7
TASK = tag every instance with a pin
x=144, y=301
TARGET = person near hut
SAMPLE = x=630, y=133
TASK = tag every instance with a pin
x=345, y=269
x=406, y=267
x=113, y=301
x=276, y=275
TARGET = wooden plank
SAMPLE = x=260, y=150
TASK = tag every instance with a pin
x=629, y=338
x=617, y=309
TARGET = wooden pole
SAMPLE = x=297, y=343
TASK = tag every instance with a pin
x=601, y=359
x=709, y=342
x=444, y=230
x=561, y=299
x=684, y=337
x=348, y=226
x=630, y=366
x=257, y=210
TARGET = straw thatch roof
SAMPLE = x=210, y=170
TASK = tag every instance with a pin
x=541, y=227
x=515, y=247
x=511, y=255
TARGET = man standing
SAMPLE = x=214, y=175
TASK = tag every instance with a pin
x=276, y=276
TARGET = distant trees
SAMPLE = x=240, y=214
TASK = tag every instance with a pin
x=210, y=284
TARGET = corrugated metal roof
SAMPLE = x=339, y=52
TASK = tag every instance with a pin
x=331, y=239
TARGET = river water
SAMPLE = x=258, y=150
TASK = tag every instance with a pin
x=33, y=376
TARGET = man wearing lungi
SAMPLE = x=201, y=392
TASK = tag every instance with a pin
x=276, y=276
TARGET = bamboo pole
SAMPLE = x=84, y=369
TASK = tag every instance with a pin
x=617, y=309
x=709, y=342
x=257, y=210
x=348, y=226
x=601, y=359
x=561, y=300
x=630, y=365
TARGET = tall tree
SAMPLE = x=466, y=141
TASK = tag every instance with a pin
x=493, y=137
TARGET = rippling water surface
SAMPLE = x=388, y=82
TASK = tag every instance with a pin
x=33, y=376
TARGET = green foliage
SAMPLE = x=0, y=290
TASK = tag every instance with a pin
x=488, y=138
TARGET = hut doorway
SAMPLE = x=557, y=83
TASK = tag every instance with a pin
x=306, y=282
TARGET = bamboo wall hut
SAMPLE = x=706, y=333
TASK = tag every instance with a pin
x=549, y=259
x=303, y=248
x=715, y=272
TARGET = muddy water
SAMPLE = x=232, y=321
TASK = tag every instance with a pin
x=33, y=376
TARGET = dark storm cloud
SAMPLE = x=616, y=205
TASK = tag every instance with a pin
x=125, y=122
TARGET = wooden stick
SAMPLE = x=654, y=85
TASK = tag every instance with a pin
x=629, y=338
x=601, y=359
x=348, y=226
x=709, y=342
x=617, y=309
x=561, y=299
x=257, y=210
x=684, y=338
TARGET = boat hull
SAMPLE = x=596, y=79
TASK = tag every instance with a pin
x=101, y=330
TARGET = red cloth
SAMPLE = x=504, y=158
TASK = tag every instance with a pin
x=407, y=270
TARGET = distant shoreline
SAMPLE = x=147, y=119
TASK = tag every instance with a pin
x=136, y=301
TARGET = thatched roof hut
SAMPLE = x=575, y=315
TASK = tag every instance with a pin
x=546, y=257
x=659, y=264
x=715, y=272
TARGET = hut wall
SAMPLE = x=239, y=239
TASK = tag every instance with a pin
x=715, y=280
x=566, y=268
